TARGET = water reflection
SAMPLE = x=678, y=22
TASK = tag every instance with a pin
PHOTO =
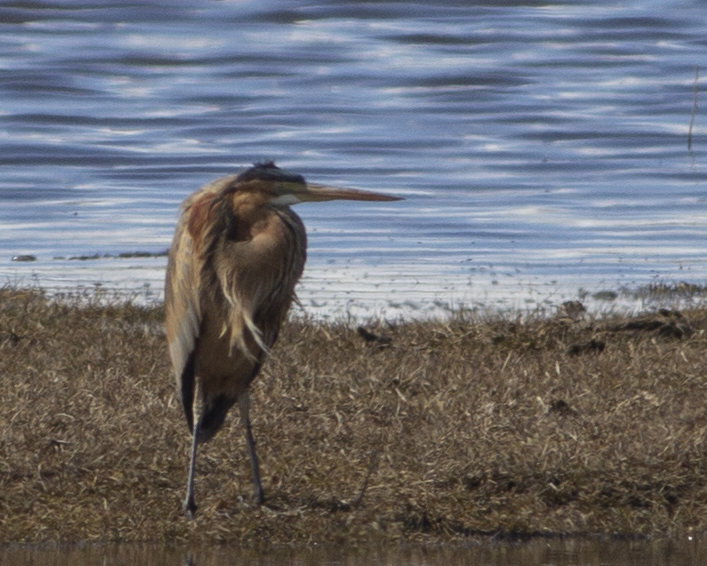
x=546, y=552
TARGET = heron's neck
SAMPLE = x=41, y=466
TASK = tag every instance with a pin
x=252, y=212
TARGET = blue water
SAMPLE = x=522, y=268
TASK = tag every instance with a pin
x=542, y=148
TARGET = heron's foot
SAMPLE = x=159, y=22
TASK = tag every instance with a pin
x=190, y=507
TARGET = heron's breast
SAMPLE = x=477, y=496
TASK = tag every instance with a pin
x=272, y=251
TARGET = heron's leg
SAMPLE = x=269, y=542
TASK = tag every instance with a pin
x=189, y=504
x=244, y=406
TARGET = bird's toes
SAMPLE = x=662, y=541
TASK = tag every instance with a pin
x=190, y=508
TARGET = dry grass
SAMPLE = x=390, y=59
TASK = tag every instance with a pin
x=454, y=429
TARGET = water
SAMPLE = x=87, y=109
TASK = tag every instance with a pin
x=538, y=552
x=541, y=147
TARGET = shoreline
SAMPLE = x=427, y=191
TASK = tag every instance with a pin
x=359, y=292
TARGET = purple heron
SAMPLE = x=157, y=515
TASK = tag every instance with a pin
x=237, y=254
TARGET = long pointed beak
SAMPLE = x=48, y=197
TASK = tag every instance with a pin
x=315, y=192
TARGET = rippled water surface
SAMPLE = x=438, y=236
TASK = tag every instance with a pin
x=542, y=148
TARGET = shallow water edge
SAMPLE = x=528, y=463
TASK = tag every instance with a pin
x=486, y=551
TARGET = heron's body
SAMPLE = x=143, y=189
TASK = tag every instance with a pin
x=237, y=254
x=231, y=276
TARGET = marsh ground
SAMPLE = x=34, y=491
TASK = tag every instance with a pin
x=416, y=431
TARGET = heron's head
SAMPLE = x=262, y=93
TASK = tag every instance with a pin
x=285, y=188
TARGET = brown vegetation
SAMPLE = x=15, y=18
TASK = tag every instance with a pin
x=411, y=431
